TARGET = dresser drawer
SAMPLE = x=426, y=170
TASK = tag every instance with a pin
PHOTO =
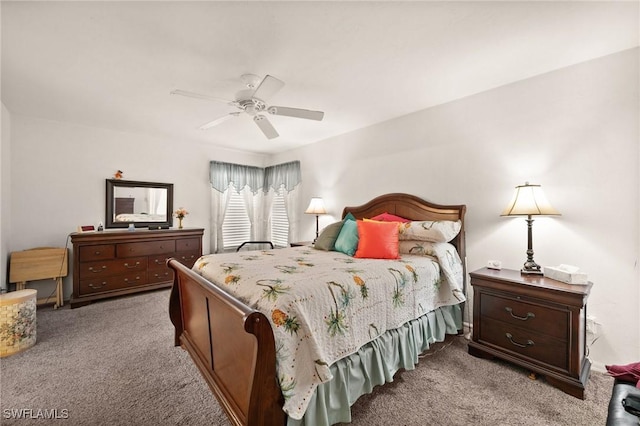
x=188, y=244
x=159, y=261
x=160, y=275
x=528, y=343
x=112, y=267
x=146, y=248
x=547, y=319
x=97, y=252
x=187, y=259
x=116, y=282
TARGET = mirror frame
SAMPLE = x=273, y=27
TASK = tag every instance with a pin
x=110, y=201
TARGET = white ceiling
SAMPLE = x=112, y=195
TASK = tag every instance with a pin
x=113, y=64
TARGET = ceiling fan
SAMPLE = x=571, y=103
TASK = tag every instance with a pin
x=252, y=101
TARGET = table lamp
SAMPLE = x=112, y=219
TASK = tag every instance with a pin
x=316, y=206
x=529, y=200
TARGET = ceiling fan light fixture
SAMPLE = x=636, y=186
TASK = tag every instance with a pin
x=250, y=109
x=252, y=101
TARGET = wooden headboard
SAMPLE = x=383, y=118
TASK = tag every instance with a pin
x=414, y=208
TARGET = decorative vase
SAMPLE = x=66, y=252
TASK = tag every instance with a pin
x=179, y=223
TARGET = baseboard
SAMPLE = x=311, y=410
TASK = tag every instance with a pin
x=598, y=366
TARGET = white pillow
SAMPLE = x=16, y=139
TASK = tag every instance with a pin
x=439, y=231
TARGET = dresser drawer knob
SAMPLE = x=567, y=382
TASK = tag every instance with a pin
x=131, y=266
x=524, y=318
x=97, y=271
x=97, y=286
x=520, y=345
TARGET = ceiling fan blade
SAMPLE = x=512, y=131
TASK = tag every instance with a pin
x=268, y=87
x=296, y=112
x=219, y=120
x=266, y=127
x=199, y=96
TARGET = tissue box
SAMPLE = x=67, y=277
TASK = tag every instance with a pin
x=566, y=276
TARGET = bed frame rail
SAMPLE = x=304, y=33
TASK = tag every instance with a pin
x=231, y=344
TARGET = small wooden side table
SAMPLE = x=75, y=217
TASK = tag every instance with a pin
x=532, y=321
x=40, y=264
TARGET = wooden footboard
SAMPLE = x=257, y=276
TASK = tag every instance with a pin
x=232, y=345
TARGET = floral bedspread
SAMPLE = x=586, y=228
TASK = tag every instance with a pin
x=324, y=306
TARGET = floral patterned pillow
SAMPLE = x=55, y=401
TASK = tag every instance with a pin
x=439, y=231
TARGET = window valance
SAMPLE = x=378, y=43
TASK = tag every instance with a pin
x=256, y=178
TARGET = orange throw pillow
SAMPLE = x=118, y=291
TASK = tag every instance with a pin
x=377, y=240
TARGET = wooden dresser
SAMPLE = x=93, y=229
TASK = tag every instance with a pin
x=114, y=263
x=532, y=321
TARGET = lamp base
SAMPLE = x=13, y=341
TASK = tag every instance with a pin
x=530, y=267
x=524, y=271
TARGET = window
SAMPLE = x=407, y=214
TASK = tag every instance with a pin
x=236, y=228
x=232, y=222
x=279, y=220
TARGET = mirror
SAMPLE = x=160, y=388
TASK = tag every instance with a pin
x=145, y=204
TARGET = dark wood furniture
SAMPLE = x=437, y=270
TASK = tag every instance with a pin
x=114, y=263
x=233, y=345
x=117, y=192
x=532, y=321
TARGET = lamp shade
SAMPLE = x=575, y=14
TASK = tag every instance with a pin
x=529, y=200
x=316, y=206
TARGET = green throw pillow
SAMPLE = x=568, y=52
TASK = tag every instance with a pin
x=347, y=241
x=327, y=238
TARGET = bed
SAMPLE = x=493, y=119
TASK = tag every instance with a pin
x=237, y=343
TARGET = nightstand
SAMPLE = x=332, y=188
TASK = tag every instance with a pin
x=301, y=243
x=534, y=322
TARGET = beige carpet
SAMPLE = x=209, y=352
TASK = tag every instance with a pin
x=113, y=363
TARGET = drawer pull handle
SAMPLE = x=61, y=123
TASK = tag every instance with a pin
x=97, y=271
x=126, y=280
x=529, y=314
x=133, y=266
x=97, y=286
x=520, y=345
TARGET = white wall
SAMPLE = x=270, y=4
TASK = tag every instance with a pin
x=58, y=173
x=5, y=194
x=574, y=131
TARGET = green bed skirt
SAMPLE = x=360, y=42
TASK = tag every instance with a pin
x=376, y=363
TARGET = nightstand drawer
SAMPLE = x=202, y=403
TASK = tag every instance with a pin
x=530, y=316
x=536, y=346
